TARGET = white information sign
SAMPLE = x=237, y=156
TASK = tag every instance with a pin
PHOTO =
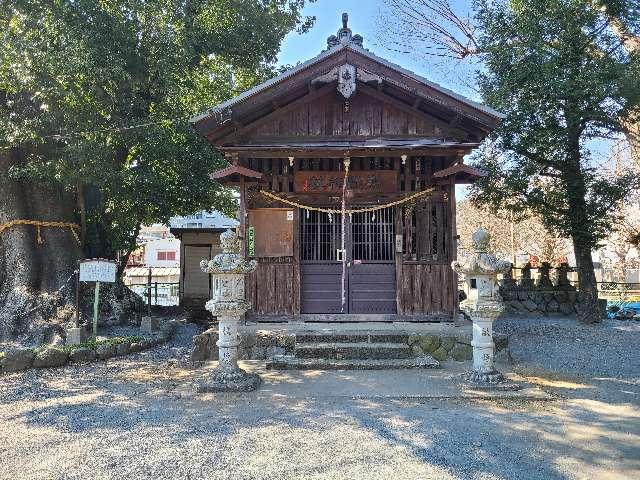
x=98, y=271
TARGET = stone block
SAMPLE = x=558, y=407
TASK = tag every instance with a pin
x=523, y=295
x=547, y=296
x=76, y=335
x=439, y=354
x=82, y=355
x=122, y=349
x=105, y=351
x=417, y=351
x=566, y=308
x=447, y=343
x=530, y=305
x=135, y=347
x=561, y=297
x=553, y=306
x=50, y=357
x=16, y=360
x=204, y=346
x=413, y=338
x=429, y=343
x=273, y=351
x=149, y=325
x=500, y=341
x=287, y=342
x=461, y=352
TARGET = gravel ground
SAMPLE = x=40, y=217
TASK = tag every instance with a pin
x=609, y=349
x=129, y=418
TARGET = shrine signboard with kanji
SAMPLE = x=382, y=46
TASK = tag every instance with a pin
x=368, y=181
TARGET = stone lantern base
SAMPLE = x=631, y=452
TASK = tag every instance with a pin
x=493, y=380
x=225, y=381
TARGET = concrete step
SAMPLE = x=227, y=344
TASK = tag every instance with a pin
x=351, y=337
x=287, y=362
x=353, y=350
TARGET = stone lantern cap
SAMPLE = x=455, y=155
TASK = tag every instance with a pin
x=230, y=260
x=481, y=262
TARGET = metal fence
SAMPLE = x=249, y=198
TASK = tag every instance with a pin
x=158, y=294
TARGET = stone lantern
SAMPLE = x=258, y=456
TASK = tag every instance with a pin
x=483, y=305
x=228, y=305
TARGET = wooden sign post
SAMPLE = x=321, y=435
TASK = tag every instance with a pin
x=97, y=270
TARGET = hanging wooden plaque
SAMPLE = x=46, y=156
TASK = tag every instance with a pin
x=367, y=181
x=272, y=231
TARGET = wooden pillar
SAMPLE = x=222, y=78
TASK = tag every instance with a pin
x=243, y=217
x=453, y=242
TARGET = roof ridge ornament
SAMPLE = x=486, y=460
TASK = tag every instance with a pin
x=344, y=35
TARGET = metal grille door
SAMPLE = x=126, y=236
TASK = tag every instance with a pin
x=372, y=270
x=370, y=285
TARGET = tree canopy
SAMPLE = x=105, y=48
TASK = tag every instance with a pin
x=96, y=97
x=565, y=74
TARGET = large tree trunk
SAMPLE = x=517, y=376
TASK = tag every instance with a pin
x=582, y=238
x=36, y=280
x=588, y=310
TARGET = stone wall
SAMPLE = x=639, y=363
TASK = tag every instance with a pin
x=539, y=302
x=47, y=356
x=263, y=345
x=542, y=297
x=253, y=346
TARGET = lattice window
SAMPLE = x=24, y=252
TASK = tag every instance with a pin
x=320, y=236
x=373, y=236
x=426, y=232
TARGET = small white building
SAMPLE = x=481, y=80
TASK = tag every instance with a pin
x=164, y=252
x=198, y=243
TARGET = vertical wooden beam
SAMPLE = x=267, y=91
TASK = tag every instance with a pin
x=243, y=217
x=297, y=278
x=399, y=264
x=453, y=244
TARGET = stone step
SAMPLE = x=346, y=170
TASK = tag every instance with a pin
x=287, y=362
x=353, y=350
x=351, y=337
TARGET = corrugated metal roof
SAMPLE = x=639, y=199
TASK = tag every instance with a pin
x=155, y=271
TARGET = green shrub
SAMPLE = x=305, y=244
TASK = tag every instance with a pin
x=93, y=344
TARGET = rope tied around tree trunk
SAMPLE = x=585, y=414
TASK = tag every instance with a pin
x=42, y=224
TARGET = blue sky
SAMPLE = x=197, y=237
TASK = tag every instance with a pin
x=365, y=18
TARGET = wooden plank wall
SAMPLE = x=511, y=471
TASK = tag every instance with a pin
x=273, y=289
x=423, y=287
x=426, y=289
x=365, y=117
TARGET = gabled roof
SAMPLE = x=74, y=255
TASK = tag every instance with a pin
x=332, y=51
x=343, y=43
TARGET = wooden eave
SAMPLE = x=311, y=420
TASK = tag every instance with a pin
x=460, y=173
x=220, y=124
x=350, y=148
x=235, y=174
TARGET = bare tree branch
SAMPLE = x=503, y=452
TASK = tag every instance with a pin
x=434, y=24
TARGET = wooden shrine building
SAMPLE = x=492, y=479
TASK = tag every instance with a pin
x=348, y=132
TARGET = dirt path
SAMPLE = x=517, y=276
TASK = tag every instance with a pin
x=132, y=418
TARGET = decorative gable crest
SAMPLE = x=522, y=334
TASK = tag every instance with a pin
x=344, y=35
x=347, y=80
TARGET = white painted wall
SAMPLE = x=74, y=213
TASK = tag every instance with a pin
x=152, y=248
